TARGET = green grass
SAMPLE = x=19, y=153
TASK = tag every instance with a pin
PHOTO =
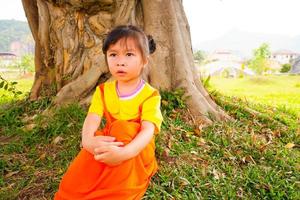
x=246, y=158
x=280, y=91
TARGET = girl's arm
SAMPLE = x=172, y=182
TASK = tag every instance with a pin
x=140, y=141
x=89, y=140
x=114, y=155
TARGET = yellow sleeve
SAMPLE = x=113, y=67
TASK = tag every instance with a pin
x=151, y=112
x=96, y=103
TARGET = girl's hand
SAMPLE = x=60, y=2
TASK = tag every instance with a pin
x=91, y=143
x=110, y=154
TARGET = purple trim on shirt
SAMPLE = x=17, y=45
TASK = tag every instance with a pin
x=141, y=84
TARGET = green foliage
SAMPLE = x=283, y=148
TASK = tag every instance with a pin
x=172, y=100
x=12, y=30
x=27, y=63
x=259, y=62
x=199, y=56
x=9, y=86
x=205, y=81
x=285, y=68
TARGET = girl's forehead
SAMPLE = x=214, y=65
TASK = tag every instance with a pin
x=127, y=43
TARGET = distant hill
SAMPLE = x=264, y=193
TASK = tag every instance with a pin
x=13, y=31
x=244, y=42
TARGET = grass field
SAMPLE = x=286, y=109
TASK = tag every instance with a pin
x=282, y=92
x=254, y=156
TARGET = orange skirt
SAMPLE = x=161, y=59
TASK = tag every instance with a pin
x=87, y=178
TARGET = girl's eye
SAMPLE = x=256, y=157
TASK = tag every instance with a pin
x=112, y=55
x=129, y=54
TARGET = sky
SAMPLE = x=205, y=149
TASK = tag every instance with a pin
x=210, y=19
x=12, y=9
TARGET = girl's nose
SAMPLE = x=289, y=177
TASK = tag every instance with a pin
x=121, y=61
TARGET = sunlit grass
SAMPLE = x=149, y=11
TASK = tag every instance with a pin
x=282, y=92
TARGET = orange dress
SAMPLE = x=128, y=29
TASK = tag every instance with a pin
x=87, y=178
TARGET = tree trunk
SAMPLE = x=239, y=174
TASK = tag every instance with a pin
x=69, y=63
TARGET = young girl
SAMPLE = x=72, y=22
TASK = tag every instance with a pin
x=118, y=161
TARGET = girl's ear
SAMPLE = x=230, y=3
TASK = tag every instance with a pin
x=146, y=61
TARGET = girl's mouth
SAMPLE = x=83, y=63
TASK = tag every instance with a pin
x=121, y=72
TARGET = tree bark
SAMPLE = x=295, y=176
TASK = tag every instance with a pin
x=70, y=64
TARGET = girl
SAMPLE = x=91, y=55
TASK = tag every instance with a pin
x=118, y=161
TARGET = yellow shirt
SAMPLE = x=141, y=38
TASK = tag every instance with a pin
x=127, y=109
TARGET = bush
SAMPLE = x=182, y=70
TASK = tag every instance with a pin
x=285, y=68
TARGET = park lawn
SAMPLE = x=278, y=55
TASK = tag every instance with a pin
x=282, y=91
x=254, y=156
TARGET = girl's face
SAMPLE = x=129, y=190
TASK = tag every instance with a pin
x=125, y=60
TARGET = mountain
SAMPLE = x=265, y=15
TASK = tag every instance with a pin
x=244, y=42
x=13, y=31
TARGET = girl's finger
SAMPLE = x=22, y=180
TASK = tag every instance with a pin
x=106, y=138
x=100, y=149
x=116, y=143
x=100, y=157
x=110, y=143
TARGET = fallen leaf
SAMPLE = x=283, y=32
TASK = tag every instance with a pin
x=183, y=181
x=57, y=140
x=69, y=125
x=173, y=115
x=263, y=147
x=25, y=119
x=194, y=152
x=289, y=145
x=198, y=130
x=11, y=174
x=276, y=133
x=170, y=141
x=201, y=142
x=253, y=138
x=164, y=102
x=248, y=159
x=240, y=192
x=29, y=127
x=42, y=157
x=166, y=153
x=216, y=174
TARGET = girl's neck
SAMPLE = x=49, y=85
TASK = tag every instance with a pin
x=125, y=89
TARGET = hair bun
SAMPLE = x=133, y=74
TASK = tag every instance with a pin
x=152, y=44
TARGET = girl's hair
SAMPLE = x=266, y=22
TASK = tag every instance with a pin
x=145, y=43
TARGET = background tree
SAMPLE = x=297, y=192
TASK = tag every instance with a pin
x=259, y=62
x=26, y=64
x=199, y=56
x=68, y=39
x=285, y=68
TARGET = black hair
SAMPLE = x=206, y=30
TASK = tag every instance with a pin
x=146, y=43
x=151, y=43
